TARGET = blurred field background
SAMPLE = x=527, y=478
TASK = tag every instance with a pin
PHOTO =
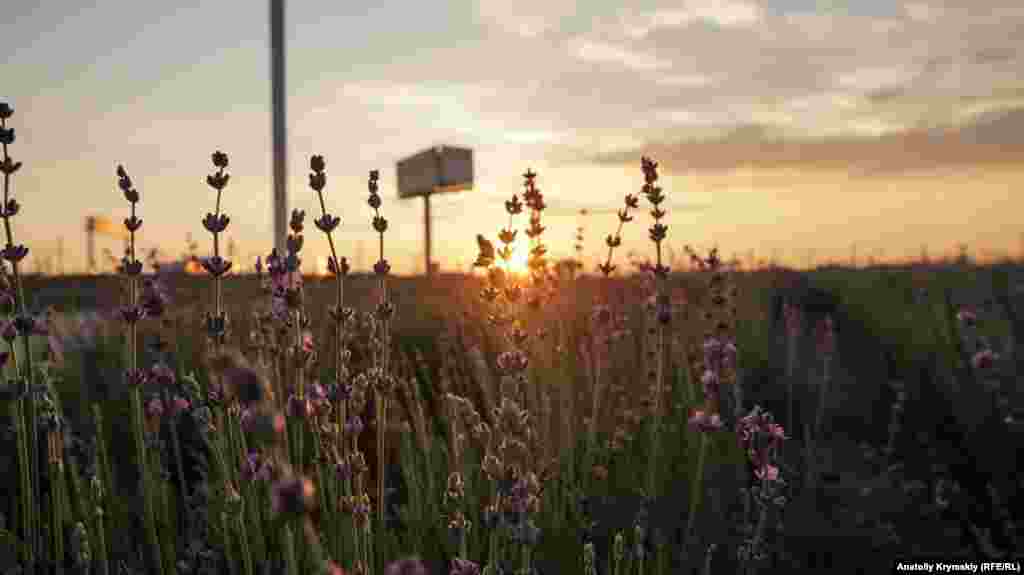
x=883, y=333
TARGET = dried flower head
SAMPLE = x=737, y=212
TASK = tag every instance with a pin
x=294, y=495
x=984, y=359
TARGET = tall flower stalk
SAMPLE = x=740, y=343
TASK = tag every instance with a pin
x=25, y=410
x=761, y=438
x=825, y=345
x=512, y=451
x=716, y=370
x=603, y=324
x=340, y=390
x=382, y=380
x=298, y=407
x=131, y=314
x=794, y=323
x=216, y=266
x=657, y=232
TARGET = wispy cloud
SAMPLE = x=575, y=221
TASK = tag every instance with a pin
x=801, y=88
x=921, y=11
x=525, y=18
x=866, y=80
x=723, y=13
x=867, y=148
x=685, y=80
x=606, y=53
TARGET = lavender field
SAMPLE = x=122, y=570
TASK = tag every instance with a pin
x=530, y=419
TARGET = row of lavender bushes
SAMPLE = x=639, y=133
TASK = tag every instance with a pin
x=295, y=432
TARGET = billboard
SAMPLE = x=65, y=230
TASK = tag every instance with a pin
x=105, y=227
x=435, y=170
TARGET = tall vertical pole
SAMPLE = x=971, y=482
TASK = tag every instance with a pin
x=90, y=244
x=426, y=236
x=279, y=150
x=441, y=180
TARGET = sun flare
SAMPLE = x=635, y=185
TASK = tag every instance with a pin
x=519, y=262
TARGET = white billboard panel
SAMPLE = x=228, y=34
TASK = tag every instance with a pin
x=436, y=170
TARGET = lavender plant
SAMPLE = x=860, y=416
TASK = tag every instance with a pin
x=658, y=232
x=131, y=313
x=381, y=378
x=24, y=408
x=717, y=368
x=216, y=223
x=287, y=486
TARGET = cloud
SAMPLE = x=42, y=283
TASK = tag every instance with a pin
x=525, y=18
x=993, y=138
x=605, y=53
x=1001, y=127
x=685, y=80
x=921, y=12
x=697, y=69
x=722, y=13
x=874, y=79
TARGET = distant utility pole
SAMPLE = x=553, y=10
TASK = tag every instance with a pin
x=60, y=255
x=279, y=149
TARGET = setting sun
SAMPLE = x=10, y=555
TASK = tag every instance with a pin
x=519, y=262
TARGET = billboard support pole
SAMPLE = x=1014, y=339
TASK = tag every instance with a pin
x=90, y=244
x=426, y=235
x=437, y=170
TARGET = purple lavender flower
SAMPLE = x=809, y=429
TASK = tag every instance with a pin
x=711, y=382
x=154, y=298
x=512, y=361
x=760, y=437
x=8, y=331
x=245, y=418
x=792, y=315
x=14, y=254
x=177, y=405
x=215, y=394
x=135, y=377
x=300, y=408
x=343, y=469
x=160, y=375
x=825, y=336
x=354, y=425
x=767, y=472
x=464, y=567
x=154, y=408
x=216, y=266
x=317, y=392
x=701, y=421
x=967, y=316
x=339, y=391
x=216, y=224
x=255, y=468
x=292, y=496
x=408, y=566
x=519, y=496
x=984, y=359
x=132, y=313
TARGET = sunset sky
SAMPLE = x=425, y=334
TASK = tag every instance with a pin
x=790, y=127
